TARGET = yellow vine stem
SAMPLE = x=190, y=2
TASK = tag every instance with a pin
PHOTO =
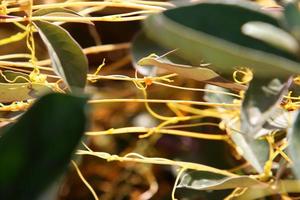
x=118, y=4
x=14, y=38
x=268, y=164
x=245, y=73
x=15, y=56
x=175, y=110
x=181, y=171
x=14, y=80
x=208, y=112
x=126, y=130
x=197, y=89
x=137, y=158
x=85, y=181
x=153, y=3
x=193, y=125
x=143, y=88
x=24, y=65
x=164, y=101
x=94, y=50
x=172, y=120
x=236, y=193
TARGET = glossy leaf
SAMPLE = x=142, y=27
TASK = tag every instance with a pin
x=261, y=101
x=47, y=11
x=58, y=12
x=202, y=74
x=217, y=97
x=37, y=148
x=68, y=60
x=278, y=121
x=142, y=46
x=292, y=15
x=255, y=151
x=218, y=39
x=205, y=181
x=272, y=35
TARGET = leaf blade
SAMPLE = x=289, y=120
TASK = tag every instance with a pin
x=66, y=55
x=33, y=153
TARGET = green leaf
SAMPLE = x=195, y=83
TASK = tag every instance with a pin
x=67, y=58
x=271, y=35
x=209, y=181
x=142, y=46
x=219, y=97
x=10, y=92
x=36, y=149
x=202, y=74
x=59, y=12
x=14, y=86
x=291, y=18
x=294, y=144
x=255, y=151
x=261, y=102
x=211, y=31
x=47, y=11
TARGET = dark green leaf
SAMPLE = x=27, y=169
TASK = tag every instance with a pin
x=212, y=31
x=36, y=149
x=209, y=181
x=292, y=16
x=66, y=55
x=261, y=101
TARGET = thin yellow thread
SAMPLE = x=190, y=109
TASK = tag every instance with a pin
x=176, y=182
x=85, y=181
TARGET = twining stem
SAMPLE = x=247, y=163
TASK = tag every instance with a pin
x=134, y=157
x=161, y=101
x=94, y=50
x=111, y=18
x=197, y=89
x=15, y=56
x=198, y=135
x=120, y=4
x=84, y=180
x=24, y=65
